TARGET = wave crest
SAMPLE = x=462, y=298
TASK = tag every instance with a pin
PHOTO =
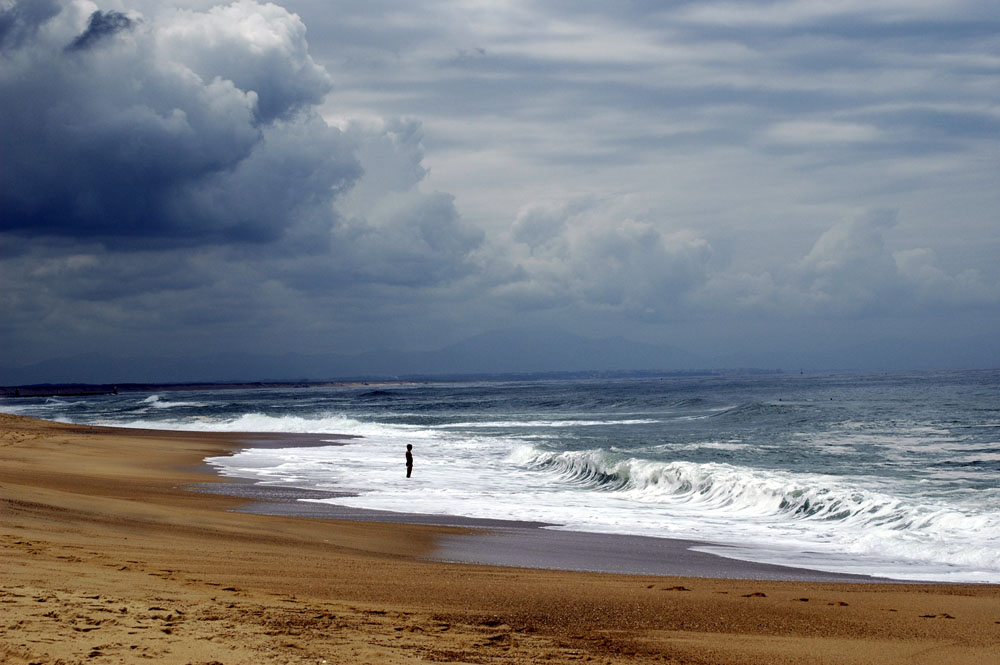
x=771, y=496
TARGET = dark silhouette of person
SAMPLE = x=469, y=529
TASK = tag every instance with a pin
x=409, y=459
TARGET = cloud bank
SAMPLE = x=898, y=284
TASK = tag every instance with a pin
x=205, y=176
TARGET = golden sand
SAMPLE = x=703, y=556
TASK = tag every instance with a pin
x=107, y=557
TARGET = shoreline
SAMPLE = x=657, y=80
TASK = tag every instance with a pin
x=109, y=557
x=526, y=544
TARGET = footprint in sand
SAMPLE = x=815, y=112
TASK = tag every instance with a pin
x=755, y=594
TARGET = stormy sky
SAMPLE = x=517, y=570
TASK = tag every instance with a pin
x=754, y=177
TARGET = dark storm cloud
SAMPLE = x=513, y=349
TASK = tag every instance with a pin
x=171, y=172
x=100, y=25
x=88, y=273
x=19, y=20
x=198, y=129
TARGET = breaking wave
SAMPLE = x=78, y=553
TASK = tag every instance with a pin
x=856, y=514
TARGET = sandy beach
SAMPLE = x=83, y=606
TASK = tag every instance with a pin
x=109, y=555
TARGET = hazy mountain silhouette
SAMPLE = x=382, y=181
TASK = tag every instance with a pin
x=521, y=350
x=507, y=351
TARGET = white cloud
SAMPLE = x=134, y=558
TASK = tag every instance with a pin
x=931, y=285
x=411, y=239
x=797, y=12
x=261, y=48
x=851, y=270
x=539, y=224
x=805, y=132
x=392, y=231
x=585, y=255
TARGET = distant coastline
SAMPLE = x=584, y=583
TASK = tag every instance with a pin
x=91, y=389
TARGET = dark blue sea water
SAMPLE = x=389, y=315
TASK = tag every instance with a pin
x=896, y=475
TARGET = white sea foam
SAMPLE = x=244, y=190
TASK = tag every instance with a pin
x=545, y=423
x=862, y=525
x=157, y=402
x=596, y=490
x=709, y=445
x=258, y=422
x=825, y=511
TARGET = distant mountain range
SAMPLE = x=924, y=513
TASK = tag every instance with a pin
x=518, y=351
x=501, y=352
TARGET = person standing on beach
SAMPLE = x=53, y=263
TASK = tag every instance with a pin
x=409, y=459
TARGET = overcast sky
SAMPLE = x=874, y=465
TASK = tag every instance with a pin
x=312, y=176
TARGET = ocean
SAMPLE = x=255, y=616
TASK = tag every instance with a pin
x=895, y=475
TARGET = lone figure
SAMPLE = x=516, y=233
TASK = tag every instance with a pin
x=409, y=459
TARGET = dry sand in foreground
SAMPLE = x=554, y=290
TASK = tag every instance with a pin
x=106, y=558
